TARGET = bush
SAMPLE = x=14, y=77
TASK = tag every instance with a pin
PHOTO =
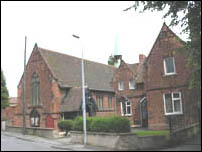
x=111, y=124
x=103, y=124
x=99, y=125
x=65, y=125
x=78, y=123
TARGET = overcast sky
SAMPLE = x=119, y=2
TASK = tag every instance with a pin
x=51, y=25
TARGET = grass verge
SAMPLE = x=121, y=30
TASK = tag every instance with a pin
x=153, y=133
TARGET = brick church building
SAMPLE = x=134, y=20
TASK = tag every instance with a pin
x=53, y=89
x=151, y=93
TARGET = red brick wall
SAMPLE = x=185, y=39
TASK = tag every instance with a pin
x=106, y=111
x=49, y=92
x=163, y=48
x=125, y=74
x=8, y=113
x=156, y=117
x=156, y=81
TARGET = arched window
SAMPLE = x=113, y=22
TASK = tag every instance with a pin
x=35, y=90
x=34, y=118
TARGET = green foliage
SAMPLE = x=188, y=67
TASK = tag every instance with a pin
x=111, y=60
x=78, y=123
x=4, y=92
x=65, y=125
x=153, y=133
x=103, y=124
x=190, y=23
x=111, y=124
x=100, y=125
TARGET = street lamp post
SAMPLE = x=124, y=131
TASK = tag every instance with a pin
x=83, y=94
x=24, y=94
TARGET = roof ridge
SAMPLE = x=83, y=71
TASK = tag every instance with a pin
x=132, y=63
x=110, y=66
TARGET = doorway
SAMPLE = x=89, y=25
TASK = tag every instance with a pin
x=143, y=112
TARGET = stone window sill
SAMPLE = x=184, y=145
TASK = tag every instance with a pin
x=37, y=106
x=127, y=115
x=105, y=110
x=172, y=74
x=175, y=113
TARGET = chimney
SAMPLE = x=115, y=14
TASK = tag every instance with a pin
x=118, y=59
x=142, y=57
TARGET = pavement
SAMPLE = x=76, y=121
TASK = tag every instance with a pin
x=64, y=144
x=58, y=143
x=191, y=144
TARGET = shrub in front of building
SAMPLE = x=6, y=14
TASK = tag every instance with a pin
x=78, y=123
x=113, y=124
x=65, y=125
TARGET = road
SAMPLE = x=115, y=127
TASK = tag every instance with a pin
x=9, y=143
x=19, y=143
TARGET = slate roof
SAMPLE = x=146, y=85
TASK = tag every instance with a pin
x=67, y=70
x=138, y=70
x=133, y=67
x=72, y=102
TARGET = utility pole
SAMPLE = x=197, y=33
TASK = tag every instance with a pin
x=24, y=94
x=83, y=95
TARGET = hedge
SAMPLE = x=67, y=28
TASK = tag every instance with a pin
x=78, y=123
x=113, y=124
x=65, y=125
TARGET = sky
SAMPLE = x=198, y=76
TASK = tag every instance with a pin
x=97, y=23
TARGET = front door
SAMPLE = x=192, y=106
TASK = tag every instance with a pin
x=49, y=122
x=144, y=115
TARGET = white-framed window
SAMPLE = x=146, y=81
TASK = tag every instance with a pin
x=131, y=84
x=126, y=109
x=169, y=66
x=100, y=102
x=121, y=85
x=172, y=103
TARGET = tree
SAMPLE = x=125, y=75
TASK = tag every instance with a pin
x=191, y=24
x=4, y=92
x=111, y=60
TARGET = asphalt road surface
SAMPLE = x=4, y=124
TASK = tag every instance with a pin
x=9, y=143
x=13, y=143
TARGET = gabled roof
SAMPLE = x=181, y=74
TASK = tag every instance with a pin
x=133, y=67
x=169, y=30
x=13, y=100
x=67, y=70
x=136, y=69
